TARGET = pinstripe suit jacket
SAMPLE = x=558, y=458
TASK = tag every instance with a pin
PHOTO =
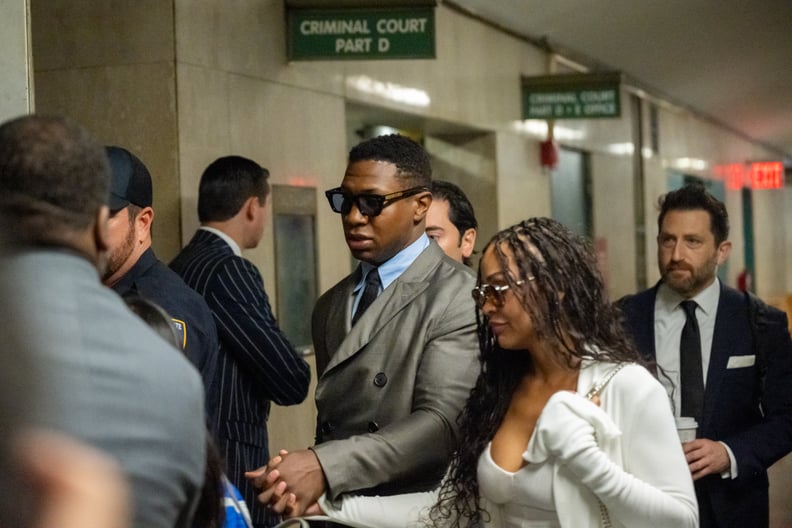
x=257, y=362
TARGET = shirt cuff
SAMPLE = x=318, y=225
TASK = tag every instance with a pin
x=731, y=472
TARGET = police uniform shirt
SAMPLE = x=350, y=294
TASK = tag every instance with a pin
x=191, y=317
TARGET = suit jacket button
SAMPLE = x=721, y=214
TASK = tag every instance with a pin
x=380, y=379
x=373, y=427
x=327, y=427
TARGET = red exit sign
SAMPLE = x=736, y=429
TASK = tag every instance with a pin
x=758, y=175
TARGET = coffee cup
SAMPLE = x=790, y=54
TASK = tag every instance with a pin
x=686, y=427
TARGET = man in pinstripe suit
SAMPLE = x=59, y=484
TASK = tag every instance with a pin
x=257, y=363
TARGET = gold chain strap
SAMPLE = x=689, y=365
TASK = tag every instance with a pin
x=597, y=387
x=604, y=515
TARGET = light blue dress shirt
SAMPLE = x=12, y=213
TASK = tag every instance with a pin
x=391, y=269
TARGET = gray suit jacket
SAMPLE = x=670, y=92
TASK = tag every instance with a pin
x=391, y=388
x=110, y=380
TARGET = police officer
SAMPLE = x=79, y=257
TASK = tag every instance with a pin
x=133, y=269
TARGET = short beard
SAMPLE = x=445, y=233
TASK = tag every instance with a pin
x=699, y=279
x=115, y=258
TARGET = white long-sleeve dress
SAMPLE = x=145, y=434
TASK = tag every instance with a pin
x=625, y=456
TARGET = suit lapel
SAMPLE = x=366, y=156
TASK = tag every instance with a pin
x=723, y=340
x=338, y=315
x=388, y=305
x=641, y=319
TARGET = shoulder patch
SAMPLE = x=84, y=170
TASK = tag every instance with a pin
x=181, y=331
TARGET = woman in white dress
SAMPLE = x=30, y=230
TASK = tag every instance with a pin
x=565, y=426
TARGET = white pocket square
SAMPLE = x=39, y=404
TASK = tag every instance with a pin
x=741, y=361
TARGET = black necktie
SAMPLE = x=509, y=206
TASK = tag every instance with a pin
x=370, y=293
x=692, y=378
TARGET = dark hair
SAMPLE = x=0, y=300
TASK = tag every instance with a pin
x=132, y=213
x=210, y=511
x=568, y=306
x=410, y=158
x=692, y=197
x=460, y=210
x=226, y=185
x=155, y=316
x=54, y=177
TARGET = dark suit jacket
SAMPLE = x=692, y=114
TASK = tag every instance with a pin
x=391, y=388
x=758, y=436
x=153, y=280
x=257, y=362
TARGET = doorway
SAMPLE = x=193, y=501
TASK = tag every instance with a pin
x=570, y=191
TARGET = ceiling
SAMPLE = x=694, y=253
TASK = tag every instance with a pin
x=729, y=60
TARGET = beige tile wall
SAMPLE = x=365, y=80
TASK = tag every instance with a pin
x=523, y=187
x=16, y=90
x=769, y=240
x=110, y=66
x=613, y=185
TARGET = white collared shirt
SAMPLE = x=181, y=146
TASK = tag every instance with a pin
x=669, y=319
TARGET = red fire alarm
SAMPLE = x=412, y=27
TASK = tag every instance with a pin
x=548, y=153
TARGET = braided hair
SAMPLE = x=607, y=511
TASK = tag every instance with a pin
x=569, y=309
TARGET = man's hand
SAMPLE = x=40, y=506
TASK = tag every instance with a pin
x=291, y=482
x=705, y=457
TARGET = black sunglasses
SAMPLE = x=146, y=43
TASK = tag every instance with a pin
x=341, y=200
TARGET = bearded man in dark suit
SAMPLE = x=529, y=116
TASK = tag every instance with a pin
x=737, y=385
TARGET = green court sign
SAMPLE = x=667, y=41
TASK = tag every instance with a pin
x=571, y=96
x=345, y=34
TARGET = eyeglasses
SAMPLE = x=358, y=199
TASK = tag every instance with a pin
x=484, y=292
x=341, y=200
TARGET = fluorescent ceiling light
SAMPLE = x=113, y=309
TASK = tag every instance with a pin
x=538, y=128
x=388, y=90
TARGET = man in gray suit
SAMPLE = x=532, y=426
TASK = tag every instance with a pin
x=395, y=341
x=115, y=384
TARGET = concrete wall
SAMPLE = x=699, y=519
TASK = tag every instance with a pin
x=16, y=83
x=612, y=184
x=110, y=66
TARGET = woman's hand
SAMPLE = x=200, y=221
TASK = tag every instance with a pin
x=314, y=509
x=288, y=504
